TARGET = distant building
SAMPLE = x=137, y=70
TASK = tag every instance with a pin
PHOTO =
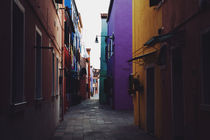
x=74, y=48
x=88, y=73
x=83, y=78
x=103, y=98
x=96, y=75
x=67, y=52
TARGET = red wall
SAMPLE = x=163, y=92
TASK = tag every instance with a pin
x=35, y=120
x=67, y=65
x=5, y=35
x=196, y=123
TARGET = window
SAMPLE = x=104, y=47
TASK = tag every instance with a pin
x=59, y=1
x=57, y=84
x=66, y=34
x=206, y=67
x=18, y=53
x=162, y=56
x=154, y=2
x=38, y=64
x=112, y=50
x=108, y=51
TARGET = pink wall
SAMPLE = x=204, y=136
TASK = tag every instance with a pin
x=34, y=120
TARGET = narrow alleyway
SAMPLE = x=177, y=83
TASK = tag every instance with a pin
x=91, y=121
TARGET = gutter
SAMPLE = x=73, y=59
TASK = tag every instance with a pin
x=110, y=10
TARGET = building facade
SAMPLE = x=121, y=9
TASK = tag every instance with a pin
x=69, y=30
x=147, y=21
x=103, y=99
x=119, y=50
x=172, y=67
x=83, y=78
x=88, y=72
x=185, y=77
x=31, y=99
x=95, y=81
x=73, y=39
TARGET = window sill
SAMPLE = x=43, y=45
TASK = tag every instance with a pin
x=18, y=107
x=205, y=107
x=19, y=104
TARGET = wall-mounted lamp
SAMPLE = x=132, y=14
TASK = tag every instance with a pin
x=110, y=37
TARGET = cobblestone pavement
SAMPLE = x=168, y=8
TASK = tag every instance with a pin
x=91, y=121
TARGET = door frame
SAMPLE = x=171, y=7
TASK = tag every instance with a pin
x=172, y=92
x=146, y=68
x=37, y=30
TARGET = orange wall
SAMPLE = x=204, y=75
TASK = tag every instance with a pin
x=146, y=22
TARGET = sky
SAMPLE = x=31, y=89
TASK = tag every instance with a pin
x=90, y=11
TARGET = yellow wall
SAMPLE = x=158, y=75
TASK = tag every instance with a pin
x=146, y=22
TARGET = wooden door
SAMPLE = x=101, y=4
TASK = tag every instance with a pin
x=150, y=100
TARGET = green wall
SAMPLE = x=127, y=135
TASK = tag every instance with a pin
x=103, y=69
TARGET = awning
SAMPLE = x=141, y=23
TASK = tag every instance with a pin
x=158, y=39
x=142, y=56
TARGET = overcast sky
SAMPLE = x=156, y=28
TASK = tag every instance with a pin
x=90, y=11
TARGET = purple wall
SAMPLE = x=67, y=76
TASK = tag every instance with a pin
x=120, y=23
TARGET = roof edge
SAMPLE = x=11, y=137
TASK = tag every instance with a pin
x=104, y=15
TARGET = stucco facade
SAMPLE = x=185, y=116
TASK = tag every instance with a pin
x=120, y=25
x=181, y=35
x=147, y=103
x=103, y=69
x=31, y=116
x=186, y=120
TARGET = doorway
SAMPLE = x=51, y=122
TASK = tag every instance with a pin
x=38, y=63
x=177, y=94
x=150, y=100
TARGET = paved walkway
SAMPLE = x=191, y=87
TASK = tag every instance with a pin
x=95, y=97
x=91, y=121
